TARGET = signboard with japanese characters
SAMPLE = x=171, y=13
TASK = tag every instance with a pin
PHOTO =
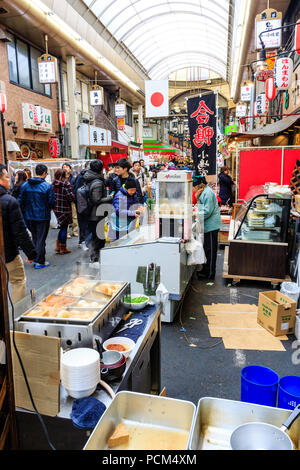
x=203, y=133
x=121, y=124
x=263, y=75
x=262, y=104
x=94, y=136
x=240, y=110
x=36, y=118
x=96, y=95
x=246, y=93
x=283, y=73
x=266, y=22
x=120, y=108
x=47, y=66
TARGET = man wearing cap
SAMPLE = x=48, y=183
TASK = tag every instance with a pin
x=122, y=170
x=208, y=209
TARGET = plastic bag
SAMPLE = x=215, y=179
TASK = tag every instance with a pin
x=195, y=252
x=53, y=220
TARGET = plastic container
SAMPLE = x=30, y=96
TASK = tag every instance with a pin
x=289, y=392
x=291, y=289
x=259, y=385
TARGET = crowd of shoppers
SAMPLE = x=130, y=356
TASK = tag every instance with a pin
x=118, y=196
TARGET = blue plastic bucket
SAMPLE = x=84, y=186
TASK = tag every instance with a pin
x=259, y=385
x=289, y=392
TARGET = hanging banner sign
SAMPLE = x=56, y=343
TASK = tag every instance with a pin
x=240, y=110
x=265, y=23
x=54, y=147
x=203, y=133
x=270, y=59
x=121, y=124
x=48, y=71
x=283, y=73
x=262, y=104
x=156, y=98
x=297, y=38
x=96, y=95
x=120, y=108
x=246, y=93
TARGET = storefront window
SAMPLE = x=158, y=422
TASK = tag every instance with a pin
x=23, y=63
x=128, y=119
x=12, y=61
x=23, y=67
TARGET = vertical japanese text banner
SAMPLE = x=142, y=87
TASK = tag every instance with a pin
x=203, y=133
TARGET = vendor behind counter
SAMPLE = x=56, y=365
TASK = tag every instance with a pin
x=208, y=207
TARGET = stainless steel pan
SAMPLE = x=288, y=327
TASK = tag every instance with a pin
x=262, y=436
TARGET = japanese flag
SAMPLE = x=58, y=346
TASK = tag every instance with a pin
x=157, y=98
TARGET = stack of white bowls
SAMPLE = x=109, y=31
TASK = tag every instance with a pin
x=80, y=372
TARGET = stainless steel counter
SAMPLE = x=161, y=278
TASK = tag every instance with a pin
x=142, y=374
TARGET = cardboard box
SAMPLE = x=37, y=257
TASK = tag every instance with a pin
x=276, y=313
x=297, y=202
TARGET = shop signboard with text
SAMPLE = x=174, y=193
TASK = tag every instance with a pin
x=36, y=118
x=92, y=135
x=203, y=133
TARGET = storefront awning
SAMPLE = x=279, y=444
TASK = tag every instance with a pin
x=116, y=144
x=270, y=129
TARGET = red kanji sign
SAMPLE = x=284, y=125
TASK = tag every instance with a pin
x=203, y=136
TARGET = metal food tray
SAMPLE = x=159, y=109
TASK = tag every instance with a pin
x=138, y=408
x=73, y=304
x=216, y=418
x=79, y=332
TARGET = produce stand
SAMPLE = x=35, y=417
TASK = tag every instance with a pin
x=258, y=241
x=142, y=373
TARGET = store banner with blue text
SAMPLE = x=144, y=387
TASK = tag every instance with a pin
x=203, y=133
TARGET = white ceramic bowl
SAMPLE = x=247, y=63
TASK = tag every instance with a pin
x=120, y=340
x=134, y=306
x=80, y=357
x=81, y=393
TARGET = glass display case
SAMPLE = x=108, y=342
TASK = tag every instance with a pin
x=258, y=247
x=174, y=204
x=265, y=218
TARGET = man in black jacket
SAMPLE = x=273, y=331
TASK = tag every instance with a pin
x=123, y=173
x=82, y=220
x=97, y=195
x=15, y=235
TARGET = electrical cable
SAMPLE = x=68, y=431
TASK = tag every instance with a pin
x=184, y=333
x=20, y=360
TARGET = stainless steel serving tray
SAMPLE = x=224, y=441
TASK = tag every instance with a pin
x=142, y=409
x=216, y=418
x=69, y=307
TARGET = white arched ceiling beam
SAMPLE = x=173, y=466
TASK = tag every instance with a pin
x=164, y=70
x=130, y=8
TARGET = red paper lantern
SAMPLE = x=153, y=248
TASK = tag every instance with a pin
x=283, y=72
x=3, y=103
x=62, y=119
x=54, y=147
x=270, y=88
x=297, y=38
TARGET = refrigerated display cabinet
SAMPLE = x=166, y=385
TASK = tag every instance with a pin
x=258, y=245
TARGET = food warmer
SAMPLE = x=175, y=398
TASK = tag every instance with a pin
x=82, y=309
x=174, y=204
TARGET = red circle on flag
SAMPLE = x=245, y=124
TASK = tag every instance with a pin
x=157, y=99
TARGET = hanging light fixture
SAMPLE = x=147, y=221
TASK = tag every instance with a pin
x=270, y=88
